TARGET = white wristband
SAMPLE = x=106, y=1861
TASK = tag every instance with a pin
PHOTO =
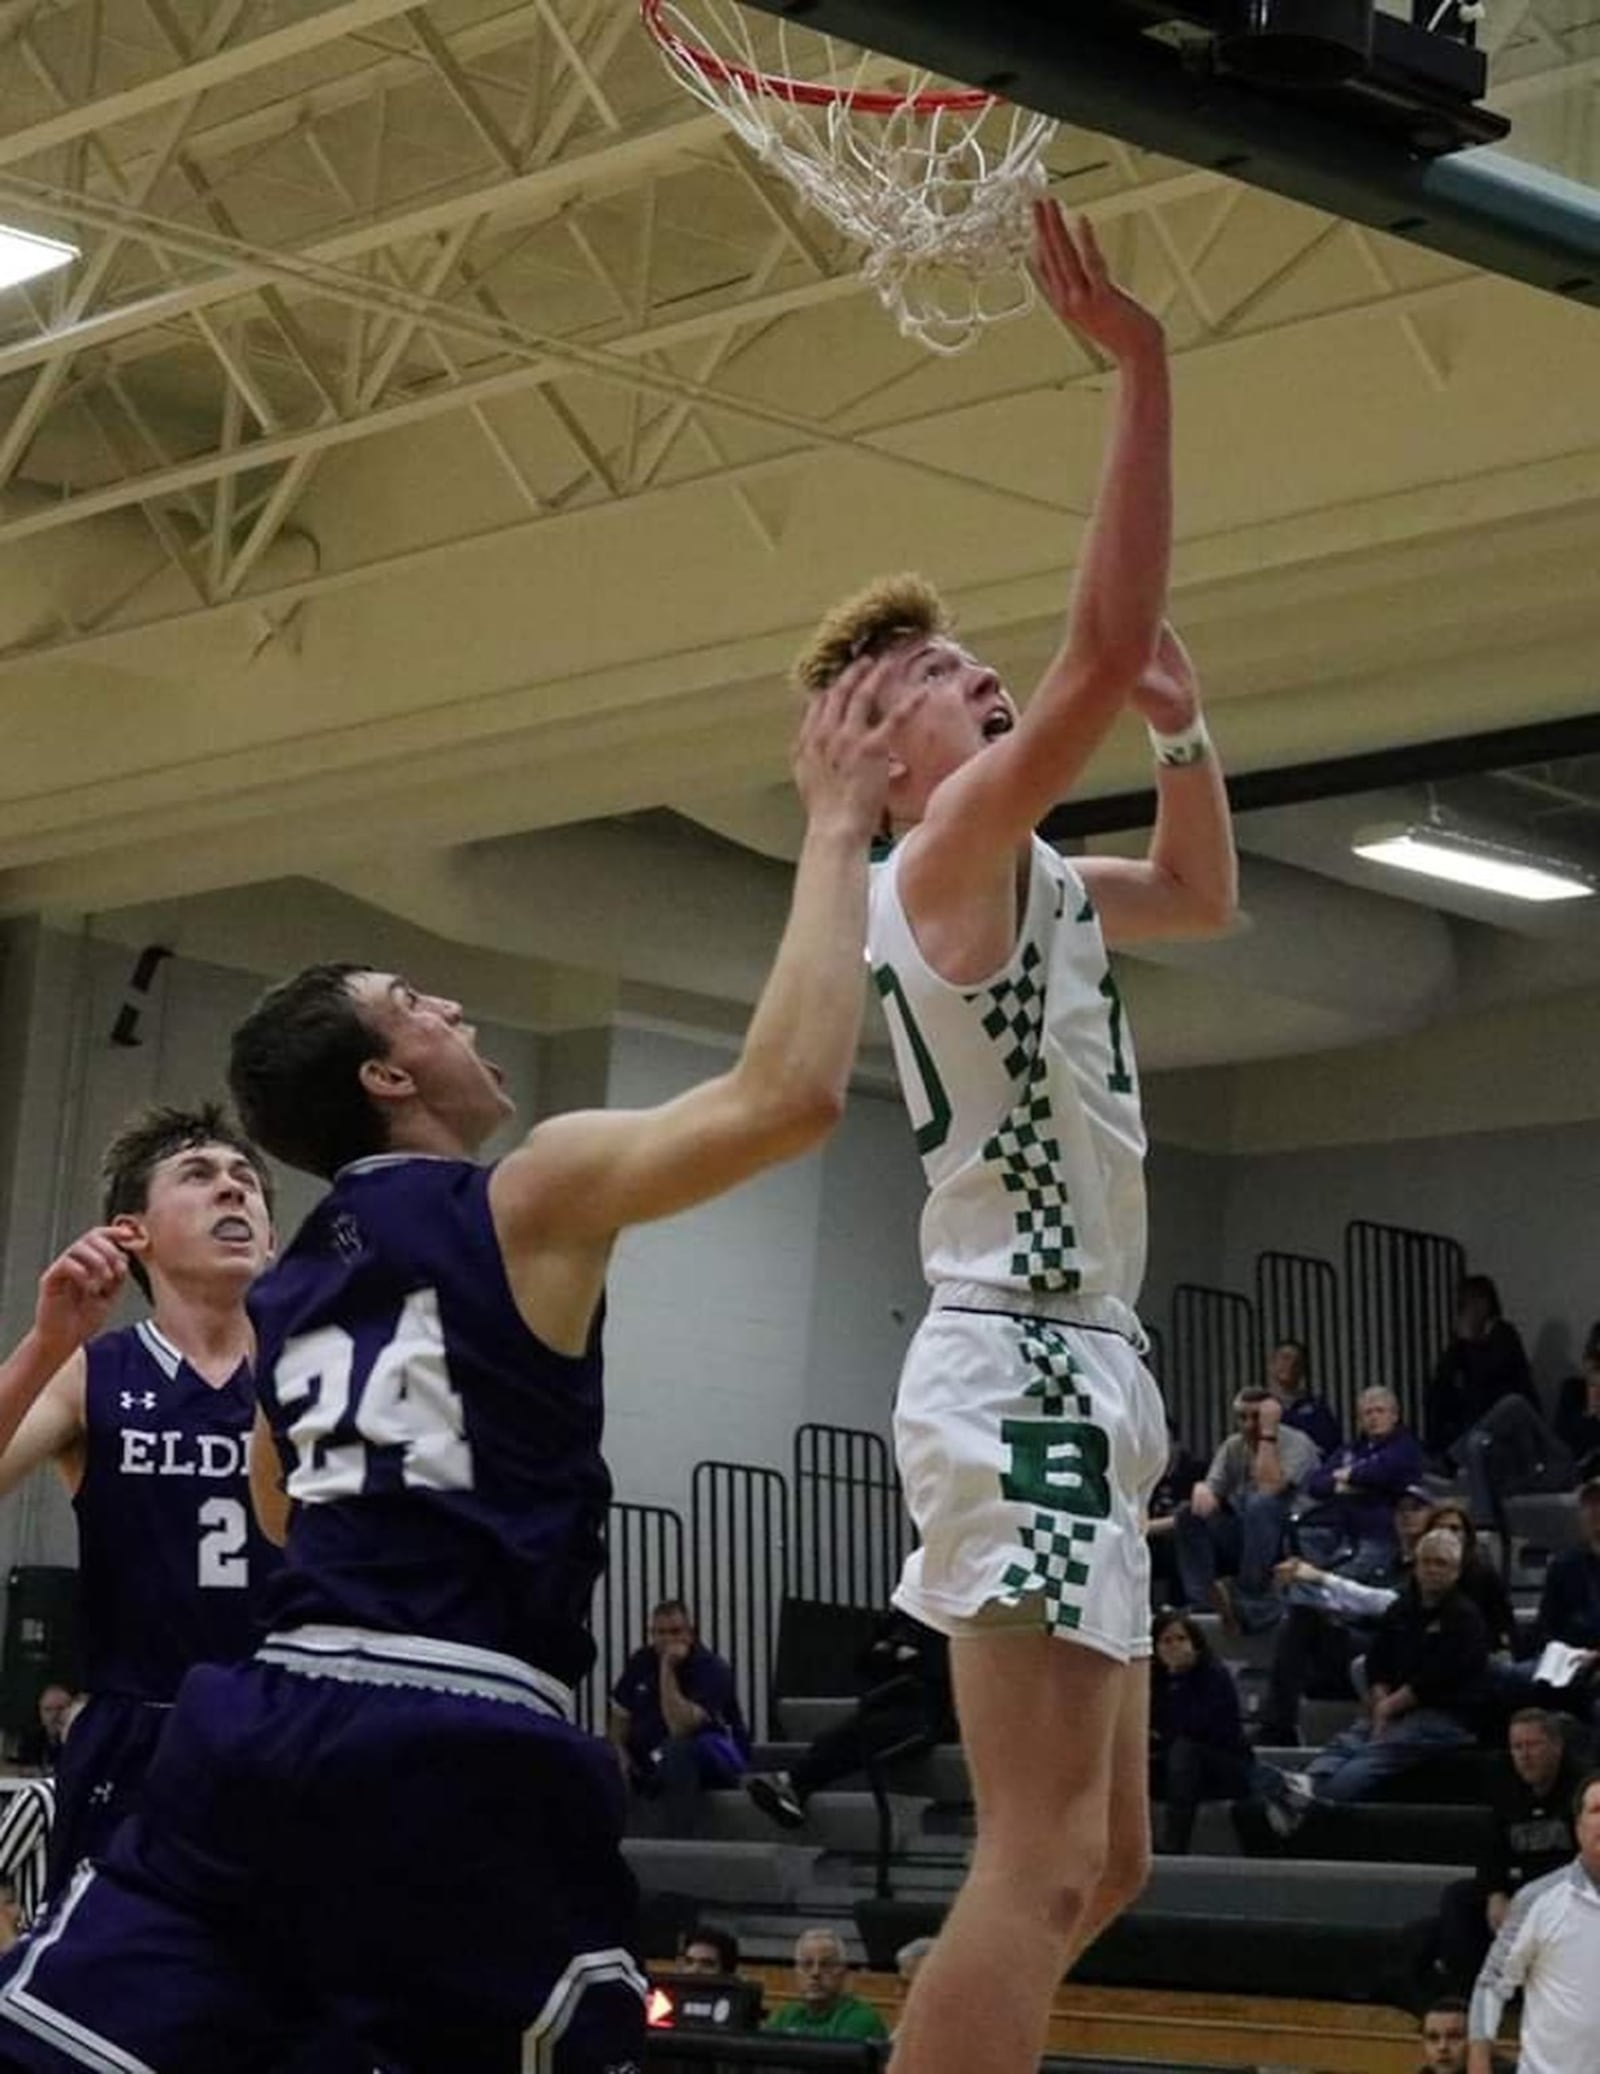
x=1190, y=745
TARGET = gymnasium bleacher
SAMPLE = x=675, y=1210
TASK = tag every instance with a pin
x=1247, y=1953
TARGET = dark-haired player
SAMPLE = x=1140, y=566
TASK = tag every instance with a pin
x=429, y=1368
x=149, y=1428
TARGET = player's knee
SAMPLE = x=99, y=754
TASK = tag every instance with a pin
x=1126, y=1874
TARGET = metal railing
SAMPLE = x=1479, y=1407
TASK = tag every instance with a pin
x=1400, y=1288
x=851, y=1531
x=739, y=1537
x=1216, y=1351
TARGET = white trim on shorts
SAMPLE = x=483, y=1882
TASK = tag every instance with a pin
x=588, y=1970
x=63, y=2034
x=369, y=1656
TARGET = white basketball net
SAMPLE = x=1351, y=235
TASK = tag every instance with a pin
x=940, y=191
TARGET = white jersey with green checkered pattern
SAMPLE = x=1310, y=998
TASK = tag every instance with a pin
x=1024, y=1098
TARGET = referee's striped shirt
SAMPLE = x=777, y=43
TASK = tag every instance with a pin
x=26, y=1814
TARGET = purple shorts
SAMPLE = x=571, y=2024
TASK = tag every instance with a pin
x=434, y=1873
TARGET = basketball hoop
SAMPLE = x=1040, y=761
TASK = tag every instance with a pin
x=937, y=182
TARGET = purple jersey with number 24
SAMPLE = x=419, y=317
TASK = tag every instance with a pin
x=444, y=1464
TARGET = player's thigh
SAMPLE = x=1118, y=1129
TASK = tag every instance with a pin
x=123, y=1977
x=1039, y=1721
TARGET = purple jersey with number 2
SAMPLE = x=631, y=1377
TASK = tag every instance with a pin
x=168, y=1546
x=443, y=1462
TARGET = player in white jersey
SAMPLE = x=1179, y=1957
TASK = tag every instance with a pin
x=1027, y=1429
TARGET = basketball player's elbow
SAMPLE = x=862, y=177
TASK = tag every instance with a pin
x=790, y=1110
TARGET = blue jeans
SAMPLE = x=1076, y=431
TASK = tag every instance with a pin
x=1244, y=1539
x=1355, y=1762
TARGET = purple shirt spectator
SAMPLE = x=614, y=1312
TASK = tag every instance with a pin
x=1289, y=1380
x=704, y=1678
x=1364, y=1480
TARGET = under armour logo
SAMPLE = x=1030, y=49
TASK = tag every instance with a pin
x=346, y=1236
x=101, y=1795
x=144, y=1399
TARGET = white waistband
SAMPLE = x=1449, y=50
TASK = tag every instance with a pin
x=369, y=1656
x=1093, y=1313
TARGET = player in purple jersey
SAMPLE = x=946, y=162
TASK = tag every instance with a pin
x=149, y=1429
x=430, y=1382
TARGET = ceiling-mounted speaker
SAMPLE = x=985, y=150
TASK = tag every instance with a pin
x=1296, y=42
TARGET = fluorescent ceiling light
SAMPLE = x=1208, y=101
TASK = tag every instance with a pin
x=1465, y=860
x=22, y=255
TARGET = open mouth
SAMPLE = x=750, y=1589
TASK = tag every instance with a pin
x=997, y=723
x=233, y=1229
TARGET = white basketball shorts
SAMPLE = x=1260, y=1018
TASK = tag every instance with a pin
x=1028, y=1447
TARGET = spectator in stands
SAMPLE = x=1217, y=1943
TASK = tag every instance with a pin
x=709, y=1950
x=906, y=1711
x=1484, y=1363
x=1183, y=1471
x=1235, y=1516
x=1326, y=1628
x=1533, y=1834
x=1289, y=1380
x=1444, y=2036
x=1480, y=1580
x=1549, y=1946
x=1569, y=1606
x=1427, y=1680
x=1197, y=1744
x=825, y=2008
x=1578, y=1412
x=41, y=1745
x=674, y=1719
x=1355, y=1489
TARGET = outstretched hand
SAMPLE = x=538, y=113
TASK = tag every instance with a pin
x=78, y=1291
x=1074, y=280
x=842, y=764
x=1167, y=695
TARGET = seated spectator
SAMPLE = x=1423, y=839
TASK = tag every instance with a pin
x=1533, y=1835
x=1197, y=1744
x=825, y=2008
x=1569, y=1609
x=1329, y=1620
x=1183, y=1471
x=1577, y=1419
x=1480, y=1580
x=1350, y=1526
x=1484, y=1363
x=1289, y=1380
x=1549, y=1947
x=1427, y=1678
x=708, y=1950
x=41, y=1745
x=906, y=1711
x=674, y=1718
x=1234, y=1520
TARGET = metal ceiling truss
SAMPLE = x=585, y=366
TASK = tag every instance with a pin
x=386, y=314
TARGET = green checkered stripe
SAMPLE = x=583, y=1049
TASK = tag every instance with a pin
x=1025, y=1148
x=1054, y=1546
x=1014, y=1013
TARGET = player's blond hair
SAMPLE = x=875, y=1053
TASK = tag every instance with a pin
x=887, y=612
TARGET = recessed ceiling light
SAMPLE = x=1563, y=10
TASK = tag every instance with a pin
x=23, y=255
x=1467, y=860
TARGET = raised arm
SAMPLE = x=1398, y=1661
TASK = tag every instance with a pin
x=1187, y=883
x=992, y=804
x=579, y=1179
x=42, y=1381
